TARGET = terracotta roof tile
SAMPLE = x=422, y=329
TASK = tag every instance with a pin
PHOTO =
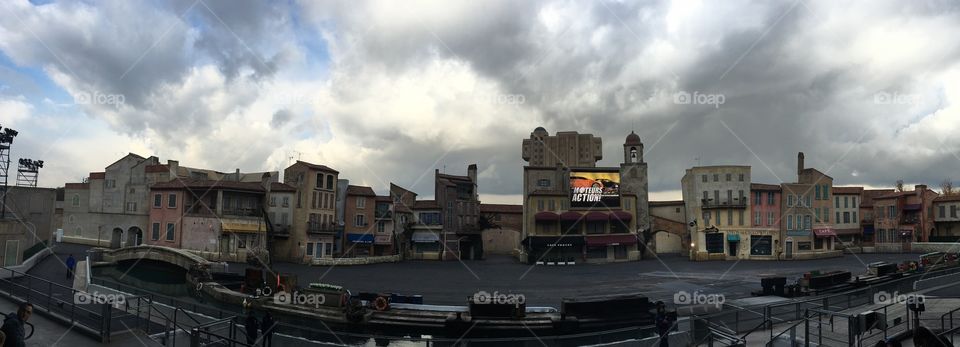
x=426, y=204
x=360, y=191
x=945, y=198
x=847, y=190
x=208, y=184
x=316, y=166
x=281, y=187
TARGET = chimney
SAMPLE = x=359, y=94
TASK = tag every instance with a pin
x=920, y=189
x=265, y=181
x=799, y=162
x=238, y=175
x=174, y=167
x=472, y=172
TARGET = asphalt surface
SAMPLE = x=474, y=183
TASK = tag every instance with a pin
x=451, y=282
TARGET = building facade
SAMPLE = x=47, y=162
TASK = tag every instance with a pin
x=669, y=233
x=403, y=217
x=459, y=201
x=717, y=201
x=867, y=218
x=384, y=239
x=765, y=211
x=29, y=222
x=947, y=219
x=314, y=225
x=574, y=211
x=427, y=235
x=359, y=229
x=846, y=216
x=901, y=218
x=502, y=236
x=807, y=213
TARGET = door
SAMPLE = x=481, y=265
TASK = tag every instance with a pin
x=320, y=248
x=789, y=249
x=115, y=241
x=11, y=252
x=733, y=245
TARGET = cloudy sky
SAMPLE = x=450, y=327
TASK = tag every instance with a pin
x=390, y=90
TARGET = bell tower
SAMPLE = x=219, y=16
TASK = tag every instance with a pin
x=632, y=149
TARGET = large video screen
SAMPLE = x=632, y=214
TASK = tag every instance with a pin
x=594, y=189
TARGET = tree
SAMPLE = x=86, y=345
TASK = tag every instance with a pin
x=899, y=185
x=946, y=187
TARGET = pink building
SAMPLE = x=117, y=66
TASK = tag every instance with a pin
x=765, y=205
x=166, y=214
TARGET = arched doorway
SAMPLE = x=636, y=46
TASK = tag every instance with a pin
x=135, y=237
x=116, y=238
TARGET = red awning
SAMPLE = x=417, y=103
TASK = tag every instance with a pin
x=570, y=216
x=611, y=240
x=824, y=232
x=596, y=217
x=621, y=216
x=546, y=217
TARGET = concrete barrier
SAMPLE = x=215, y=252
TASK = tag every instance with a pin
x=27, y=264
x=355, y=261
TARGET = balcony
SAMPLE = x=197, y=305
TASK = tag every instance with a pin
x=281, y=232
x=321, y=228
x=382, y=215
x=709, y=204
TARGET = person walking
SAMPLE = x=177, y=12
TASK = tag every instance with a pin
x=267, y=327
x=71, y=266
x=663, y=324
x=251, y=325
x=13, y=326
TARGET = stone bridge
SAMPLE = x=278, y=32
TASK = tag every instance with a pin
x=196, y=266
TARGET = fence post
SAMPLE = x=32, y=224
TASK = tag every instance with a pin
x=194, y=337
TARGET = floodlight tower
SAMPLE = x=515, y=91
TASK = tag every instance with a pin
x=28, y=171
x=6, y=139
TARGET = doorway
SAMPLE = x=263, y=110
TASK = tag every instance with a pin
x=789, y=249
x=136, y=237
x=117, y=239
x=733, y=245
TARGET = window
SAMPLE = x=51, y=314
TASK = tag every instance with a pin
x=846, y=202
x=76, y=200
x=803, y=246
x=553, y=205
x=155, y=235
x=789, y=200
x=756, y=198
x=714, y=242
x=789, y=222
x=170, y=229
x=826, y=214
x=706, y=196
x=716, y=196
x=846, y=217
x=359, y=220
x=757, y=218
x=706, y=219
x=729, y=196
x=838, y=215
x=110, y=184
x=817, y=211
x=806, y=222
x=273, y=201
x=769, y=218
x=729, y=177
x=761, y=245
x=729, y=217
x=743, y=199
x=891, y=212
x=855, y=220
x=319, y=180
x=361, y=202
x=716, y=177
x=826, y=192
x=808, y=201
x=131, y=206
x=172, y=200
x=310, y=248
x=381, y=227
x=157, y=200
x=740, y=217
x=836, y=201
x=741, y=177
x=855, y=201
x=330, y=182
x=818, y=243
x=817, y=189
x=953, y=211
x=286, y=201
x=283, y=218
x=718, y=217
x=770, y=198
x=704, y=178
x=543, y=182
x=539, y=204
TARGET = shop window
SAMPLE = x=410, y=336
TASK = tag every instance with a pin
x=761, y=245
x=803, y=246
x=818, y=243
x=597, y=252
x=714, y=242
x=620, y=252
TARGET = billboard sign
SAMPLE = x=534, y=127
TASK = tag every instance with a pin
x=596, y=189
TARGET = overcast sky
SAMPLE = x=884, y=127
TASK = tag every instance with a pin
x=387, y=91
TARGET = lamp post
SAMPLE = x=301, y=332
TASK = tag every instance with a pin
x=6, y=139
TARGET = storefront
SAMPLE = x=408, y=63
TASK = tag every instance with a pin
x=554, y=249
x=761, y=245
x=823, y=239
x=426, y=245
x=617, y=247
x=383, y=244
x=359, y=245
